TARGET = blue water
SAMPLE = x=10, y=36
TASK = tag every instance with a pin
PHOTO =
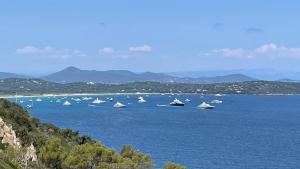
x=244, y=132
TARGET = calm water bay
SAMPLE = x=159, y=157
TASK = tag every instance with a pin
x=243, y=132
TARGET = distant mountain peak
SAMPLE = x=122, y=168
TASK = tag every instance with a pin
x=71, y=68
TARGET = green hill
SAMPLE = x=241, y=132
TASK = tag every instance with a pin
x=38, y=86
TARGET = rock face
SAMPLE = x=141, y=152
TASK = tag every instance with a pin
x=30, y=154
x=8, y=135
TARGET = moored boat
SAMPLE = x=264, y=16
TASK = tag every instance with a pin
x=176, y=102
x=141, y=100
x=217, y=101
x=67, y=103
x=119, y=105
x=98, y=101
x=205, y=105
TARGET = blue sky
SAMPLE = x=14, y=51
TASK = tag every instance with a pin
x=149, y=35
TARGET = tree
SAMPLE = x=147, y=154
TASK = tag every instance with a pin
x=139, y=160
x=52, y=153
x=169, y=165
x=89, y=156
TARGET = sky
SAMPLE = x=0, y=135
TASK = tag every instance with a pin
x=38, y=37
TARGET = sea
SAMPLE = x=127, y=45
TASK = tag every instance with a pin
x=243, y=132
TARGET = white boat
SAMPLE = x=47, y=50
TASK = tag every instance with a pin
x=29, y=106
x=141, y=100
x=176, y=102
x=77, y=100
x=187, y=100
x=57, y=101
x=111, y=99
x=38, y=100
x=204, y=105
x=98, y=101
x=119, y=105
x=217, y=101
x=218, y=95
x=66, y=103
x=86, y=98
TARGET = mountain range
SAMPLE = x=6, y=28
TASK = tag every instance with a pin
x=73, y=74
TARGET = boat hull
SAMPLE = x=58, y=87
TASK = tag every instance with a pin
x=177, y=104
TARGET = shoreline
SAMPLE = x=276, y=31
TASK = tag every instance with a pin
x=78, y=94
x=109, y=94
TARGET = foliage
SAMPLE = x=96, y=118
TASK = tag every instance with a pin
x=169, y=165
x=52, y=153
x=38, y=86
x=9, y=157
x=139, y=160
x=89, y=155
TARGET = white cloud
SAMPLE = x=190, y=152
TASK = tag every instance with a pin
x=267, y=50
x=28, y=50
x=144, y=48
x=229, y=52
x=106, y=50
x=49, y=51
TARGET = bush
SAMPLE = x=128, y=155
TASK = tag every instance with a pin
x=169, y=165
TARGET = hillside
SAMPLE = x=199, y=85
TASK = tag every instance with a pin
x=5, y=75
x=73, y=74
x=28, y=143
x=37, y=86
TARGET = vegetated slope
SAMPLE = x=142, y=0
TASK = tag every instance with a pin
x=37, y=86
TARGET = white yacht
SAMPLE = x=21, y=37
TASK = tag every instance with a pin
x=66, y=103
x=187, y=100
x=38, y=100
x=176, y=102
x=98, y=101
x=87, y=98
x=110, y=99
x=204, y=105
x=218, y=95
x=29, y=106
x=217, y=101
x=141, y=100
x=77, y=100
x=119, y=105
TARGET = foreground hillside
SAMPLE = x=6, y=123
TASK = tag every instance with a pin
x=37, y=86
x=28, y=143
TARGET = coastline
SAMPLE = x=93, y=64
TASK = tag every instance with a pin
x=108, y=94
x=79, y=94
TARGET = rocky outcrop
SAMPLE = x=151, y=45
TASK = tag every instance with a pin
x=30, y=154
x=8, y=135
